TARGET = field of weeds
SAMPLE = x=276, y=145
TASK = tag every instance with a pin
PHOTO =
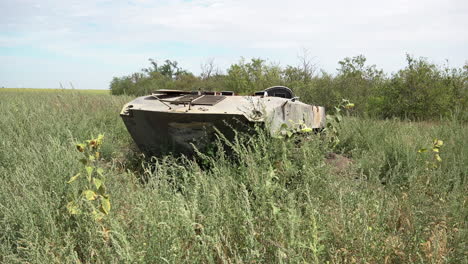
x=376, y=197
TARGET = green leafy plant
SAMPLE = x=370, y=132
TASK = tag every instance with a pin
x=293, y=130
x=334, y=122
x=92, y=198
x=435, y=150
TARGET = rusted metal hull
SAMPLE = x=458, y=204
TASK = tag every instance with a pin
x=177, y=121
x=157, y=133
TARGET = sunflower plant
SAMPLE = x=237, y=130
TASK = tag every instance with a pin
x=92, y=198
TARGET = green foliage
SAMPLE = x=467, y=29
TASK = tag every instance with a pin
x=359, y=82
x=92, y=198
x=167, y=76
x=423, y=90
x=247, y=78
x=281, y=201
x=420, y=91
x=435, y=149
x=333, y=125
x=294, y=130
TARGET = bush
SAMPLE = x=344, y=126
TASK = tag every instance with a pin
x=422, y=90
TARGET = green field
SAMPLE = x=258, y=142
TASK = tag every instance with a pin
x=96, y=91
x=280, y=201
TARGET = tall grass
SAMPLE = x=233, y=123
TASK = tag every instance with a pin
x=276, y=201
x=64, y=91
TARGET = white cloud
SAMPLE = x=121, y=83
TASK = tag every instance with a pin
x=381, y=30
x=242, y=21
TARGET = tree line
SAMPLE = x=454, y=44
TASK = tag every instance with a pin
x=421, y=90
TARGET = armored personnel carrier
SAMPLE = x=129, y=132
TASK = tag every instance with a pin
x=172, y=121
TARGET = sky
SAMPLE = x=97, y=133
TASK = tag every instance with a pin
x=86, y=43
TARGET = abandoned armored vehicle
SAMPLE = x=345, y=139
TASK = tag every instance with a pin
x=172, y=121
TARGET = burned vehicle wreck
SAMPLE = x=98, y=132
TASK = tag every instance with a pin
x=173, y=121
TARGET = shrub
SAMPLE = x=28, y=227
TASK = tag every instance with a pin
x=422, y=90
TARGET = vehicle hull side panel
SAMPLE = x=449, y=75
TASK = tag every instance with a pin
x=162, y=132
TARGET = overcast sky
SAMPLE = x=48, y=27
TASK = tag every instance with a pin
x=43, y=43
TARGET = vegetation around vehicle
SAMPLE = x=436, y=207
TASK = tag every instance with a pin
x=394, y=201
x=420, y=91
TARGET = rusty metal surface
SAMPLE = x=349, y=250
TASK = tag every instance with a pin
x=208, y=100
x=162, y=133
x=175, y=92
x=184, y=99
